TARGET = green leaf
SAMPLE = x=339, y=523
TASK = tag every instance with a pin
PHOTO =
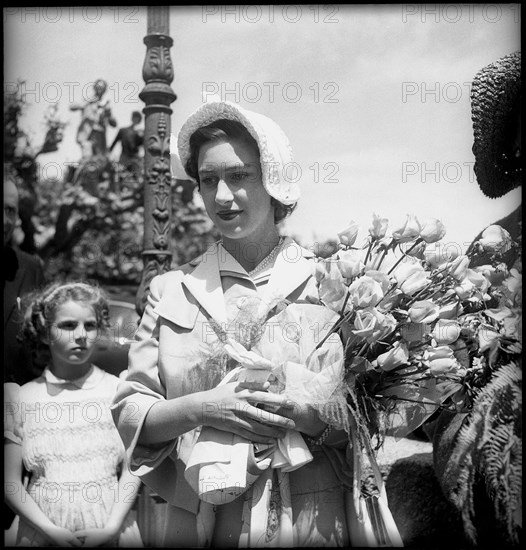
x=413, y=405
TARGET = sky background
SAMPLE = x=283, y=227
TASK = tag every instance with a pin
x=374, y=99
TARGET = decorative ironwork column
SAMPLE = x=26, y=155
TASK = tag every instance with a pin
x=157, y=95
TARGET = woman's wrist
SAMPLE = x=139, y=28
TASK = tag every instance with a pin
x=197, y=406
x=321, y=438
x=168, y=419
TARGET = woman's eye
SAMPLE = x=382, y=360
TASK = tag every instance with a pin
x=208, y=181
x=90, y=326
x=239, y=176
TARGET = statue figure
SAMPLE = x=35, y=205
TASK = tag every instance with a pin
x=21, y=157
x=131, y=140
x=96, y=115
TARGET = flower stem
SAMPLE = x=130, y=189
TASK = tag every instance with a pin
x=368, y=251
x=394, y=287
x=343, y=318
x=417, y=242
x=362, y=349
x=386, y=250
x=345, y=303
x=419, y=294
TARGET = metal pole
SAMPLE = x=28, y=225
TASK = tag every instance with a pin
x=157, y=95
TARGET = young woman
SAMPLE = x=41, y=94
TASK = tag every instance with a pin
x=62, y=431
x=173, y=386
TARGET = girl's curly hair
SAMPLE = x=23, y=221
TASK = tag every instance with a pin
x=40, y=307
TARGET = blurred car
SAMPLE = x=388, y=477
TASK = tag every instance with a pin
x=111, y=352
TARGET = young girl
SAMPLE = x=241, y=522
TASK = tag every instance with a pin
x=63, y=433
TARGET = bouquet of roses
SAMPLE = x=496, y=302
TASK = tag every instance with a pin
x=425, y=329
x=421, y=329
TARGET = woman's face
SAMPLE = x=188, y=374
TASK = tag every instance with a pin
x=233, y=192
x=73, y=334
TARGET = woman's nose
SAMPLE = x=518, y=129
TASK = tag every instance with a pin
x=223, y=193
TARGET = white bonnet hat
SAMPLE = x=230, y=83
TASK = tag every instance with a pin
x=274, y=146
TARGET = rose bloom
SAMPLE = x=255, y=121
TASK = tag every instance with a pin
x=372, y=325
x=440, y=254
x=480, y=282
x=451, y=311
x=486, y=336
x=321, y=270
x=331, y=284
x=498, y=313
x=446, y=331
x=387, y=325
x=512, y=327
x=396, y=356
x=465, y=289
x=350, y=263
x=495, y=240
x=365, y=292
x=415, y=250
x=348, y=236
x=365, y=321
x=417, y=281
x=458, y=267
x=379, y=227
x=407, y=267
x=423, y=311
x=379, y=277
x=410, y=276
x=432, y=230
x=441, y=360
x=409, y=231
x=494, y=274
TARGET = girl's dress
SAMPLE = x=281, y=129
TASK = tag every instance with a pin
x=73, y=453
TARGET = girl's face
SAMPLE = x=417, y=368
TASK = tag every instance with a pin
x=233, y=192
x=73, y=334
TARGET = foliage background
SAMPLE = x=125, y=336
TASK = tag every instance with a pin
x=94, y=233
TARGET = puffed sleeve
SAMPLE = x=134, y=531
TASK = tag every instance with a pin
x=12, y=415
x=141, y=388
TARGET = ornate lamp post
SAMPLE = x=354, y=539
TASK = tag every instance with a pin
x=157, y=95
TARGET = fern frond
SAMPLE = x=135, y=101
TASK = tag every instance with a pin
x=490, y=444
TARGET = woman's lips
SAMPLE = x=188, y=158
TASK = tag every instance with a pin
x=228, y=214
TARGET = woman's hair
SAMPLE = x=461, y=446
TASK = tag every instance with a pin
x=41, y=308
x=220, y=130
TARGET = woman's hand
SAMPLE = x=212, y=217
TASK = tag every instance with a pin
x=96, y=537
x=305, y=418
x=60, y=536
x=243, y=411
